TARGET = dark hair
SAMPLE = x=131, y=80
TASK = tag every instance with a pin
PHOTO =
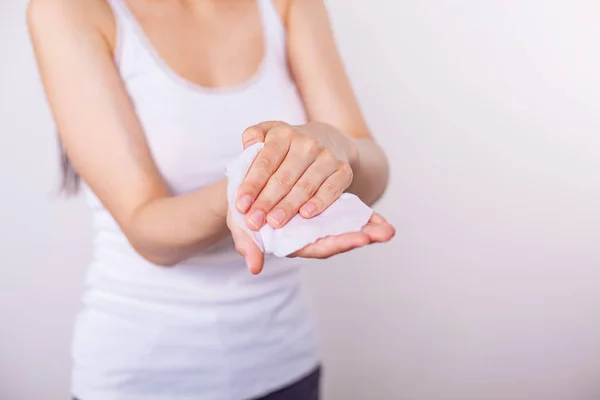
x=70, y=178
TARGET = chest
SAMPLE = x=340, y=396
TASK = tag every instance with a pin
x=210, y=43
x=193, y=136
x=193, y=129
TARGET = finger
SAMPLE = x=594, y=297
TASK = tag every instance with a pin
x=382, y=232
x=328, y=192
x=332, y=245
x=264, y=166
x=303, y=152
x=377, y=218
x=305, y=188
x=257, y=133
x=255, y=260
x=253, y=256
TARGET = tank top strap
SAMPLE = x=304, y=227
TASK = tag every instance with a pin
x=274, y=30
x=130, y=47
x=118, y=9
x=134, y=51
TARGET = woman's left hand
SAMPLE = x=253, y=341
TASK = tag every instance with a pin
x=377, y=230
x=300, y=169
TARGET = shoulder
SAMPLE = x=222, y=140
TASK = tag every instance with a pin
x=305, y=11
x=285, y=8
x=307, y=6
x=44, y=17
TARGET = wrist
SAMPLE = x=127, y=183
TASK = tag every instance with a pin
x=353, y=155
x=218, y=204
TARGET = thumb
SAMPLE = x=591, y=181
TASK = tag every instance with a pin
x=257, y=133
x=255, y=259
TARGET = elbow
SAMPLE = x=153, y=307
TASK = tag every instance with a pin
x=153, y=255
x=147, y=246
x=159, y=261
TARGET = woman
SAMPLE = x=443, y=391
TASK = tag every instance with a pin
x=151, y=99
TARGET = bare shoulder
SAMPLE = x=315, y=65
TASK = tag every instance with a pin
x=311, y=11
x=45, y=17
x=305, y=5
x=286, y=8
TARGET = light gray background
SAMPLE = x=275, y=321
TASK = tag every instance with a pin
x=490, y=111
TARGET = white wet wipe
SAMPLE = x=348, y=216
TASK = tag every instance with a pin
x=347, y=214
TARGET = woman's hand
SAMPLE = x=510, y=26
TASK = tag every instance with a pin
x=300, y=169
x=377, y=230
x=245, y=246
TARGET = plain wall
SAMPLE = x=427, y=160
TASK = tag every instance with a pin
x=490, y=112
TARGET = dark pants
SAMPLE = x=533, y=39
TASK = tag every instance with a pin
x=307, y=388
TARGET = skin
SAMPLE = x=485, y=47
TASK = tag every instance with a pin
x=301, y=169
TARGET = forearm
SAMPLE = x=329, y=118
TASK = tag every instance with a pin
x=371, y=171
x=169, y=230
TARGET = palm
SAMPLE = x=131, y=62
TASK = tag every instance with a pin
x=377, y=230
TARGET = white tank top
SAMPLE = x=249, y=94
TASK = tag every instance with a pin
x=207, y=328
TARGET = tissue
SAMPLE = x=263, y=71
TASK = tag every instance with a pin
x=347, y=214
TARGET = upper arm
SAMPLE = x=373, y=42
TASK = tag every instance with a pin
x=319, y=71
x=96, y=121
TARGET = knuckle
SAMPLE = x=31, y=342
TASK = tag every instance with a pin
x=288, y=208
x=273, y=147
x=238, y=247
x=266, y=165
x=346, y=169
x=251, y=133
x=331, y=190
x=263, y=204
x=328, y=155
x=311, y=146
x=318, y=202
x=285, y=131
x=284, y=180
x=278, y=124
x=252, y=186
x=306, y=185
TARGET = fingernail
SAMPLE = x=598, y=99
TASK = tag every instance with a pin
x=276, y=217
x=244, y=203
x=257, y=219
x=307, y=210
